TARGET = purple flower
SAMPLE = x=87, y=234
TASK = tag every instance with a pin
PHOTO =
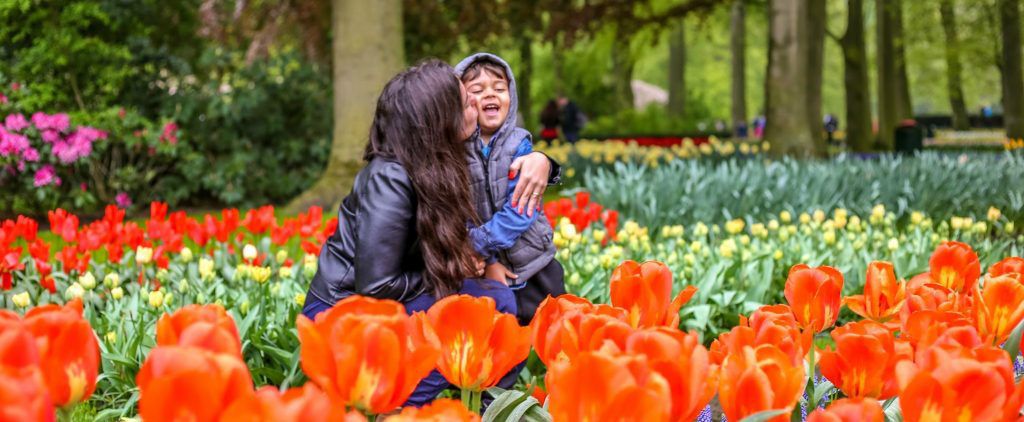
x=50, y=136
x=77, y=145
x=170, y=133
x=45, y=176
x=30, y=154
x=15, y=122
x=123, y=200
x=12, y=143
x=58, y=122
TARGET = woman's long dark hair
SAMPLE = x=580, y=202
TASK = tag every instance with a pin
x=419, y=122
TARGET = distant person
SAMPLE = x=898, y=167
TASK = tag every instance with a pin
x=720, y=125
x=741, y=130
x=831, y=125
x=759, y=123
x=549, y=121
x=572, y=119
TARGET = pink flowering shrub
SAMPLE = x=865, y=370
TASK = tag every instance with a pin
x=78, y=162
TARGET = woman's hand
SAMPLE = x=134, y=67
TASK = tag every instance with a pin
x=533, y=181
x=498, y=272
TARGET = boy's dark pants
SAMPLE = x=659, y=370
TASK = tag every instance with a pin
x=549, y=281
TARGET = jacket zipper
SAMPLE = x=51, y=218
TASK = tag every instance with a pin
x=490, y=200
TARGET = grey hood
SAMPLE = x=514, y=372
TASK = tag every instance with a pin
x=513, y=92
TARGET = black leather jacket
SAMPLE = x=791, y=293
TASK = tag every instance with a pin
x=375, y=251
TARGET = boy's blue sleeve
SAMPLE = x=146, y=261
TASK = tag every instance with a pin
x=504, y=228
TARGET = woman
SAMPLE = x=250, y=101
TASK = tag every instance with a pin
x=403, y=230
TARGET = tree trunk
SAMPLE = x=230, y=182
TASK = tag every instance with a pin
x=953, y=68
x=367, y=52
x=816, y=18
x=677, y=70
x=888, y=113
x=904, y=107
x=786, y=93
x=523, y=77
x=855, y=79
x=1013, y=83
x=737, y=34
x=622, y=69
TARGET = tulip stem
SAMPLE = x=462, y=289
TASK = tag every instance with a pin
x=812, y=403
x=471, y=399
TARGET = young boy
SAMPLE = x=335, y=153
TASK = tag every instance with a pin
x=519, y=239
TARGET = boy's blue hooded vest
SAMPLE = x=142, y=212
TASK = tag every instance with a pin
x=489, y=181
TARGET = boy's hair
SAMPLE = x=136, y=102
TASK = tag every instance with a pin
x=484, y=65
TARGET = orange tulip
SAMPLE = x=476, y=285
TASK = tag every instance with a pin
x=567, y=325
x=999, y=306
x=269, y=404
x=538, y=393
x=442, y=410
x=597, y=386
x=23, y=392
x=772, y=324
x=815, y=296
x=883, y=294
x=478, y=344
x=959, y=384
x=926, y=296
x=955, y=266
x=69, y=353
x=205, y=326
x=683, y=362
x=925, y=329
x=1013, y=264
x=849, y=410
x=644, y=291
x=760, y=379
x=190, y=383
x=863, y=363
x=24, y=396
x=364, y=353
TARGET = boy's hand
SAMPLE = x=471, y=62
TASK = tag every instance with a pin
x=498, y=272
x=533, y=181
x=481, y=265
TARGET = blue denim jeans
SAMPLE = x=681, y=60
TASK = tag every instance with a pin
x=435, y=383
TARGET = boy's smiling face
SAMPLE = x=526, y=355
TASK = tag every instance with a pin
x=492, y=100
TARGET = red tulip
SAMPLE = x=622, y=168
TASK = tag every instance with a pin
x=643, y=290
x=23, y=392
x=815, y=296
x=69, y=353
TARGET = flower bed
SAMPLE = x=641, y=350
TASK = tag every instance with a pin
x=915, y=350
